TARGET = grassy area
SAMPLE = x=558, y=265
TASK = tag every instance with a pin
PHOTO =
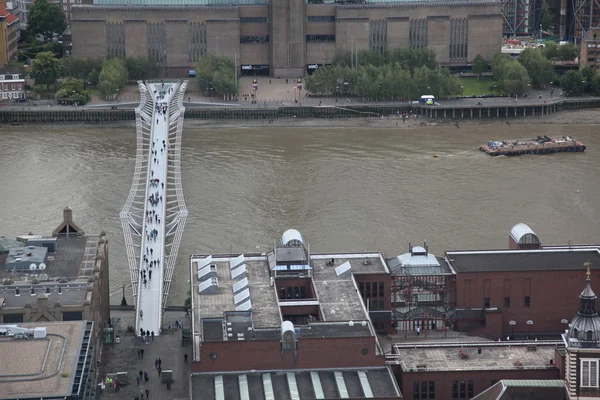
x=474, y=86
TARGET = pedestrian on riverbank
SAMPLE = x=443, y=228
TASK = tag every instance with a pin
x=156, y=363
x=147, y=393
x=141, y=373
x=142, y=351
x=146, y=376
x=137, y=378
x=159, y=362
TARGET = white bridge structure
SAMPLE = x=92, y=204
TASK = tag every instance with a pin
x=154, y=215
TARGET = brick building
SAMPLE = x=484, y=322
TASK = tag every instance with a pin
x=71, y=284
x=289, y=324
x=463, y=370
x=528, y=290
x=12, y=87
x=283, y=38
x=9, y=31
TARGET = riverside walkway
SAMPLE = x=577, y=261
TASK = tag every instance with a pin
x=154, y=214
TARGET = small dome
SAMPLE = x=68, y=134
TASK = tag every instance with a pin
x=584, y=330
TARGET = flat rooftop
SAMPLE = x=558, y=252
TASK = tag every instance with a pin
x=37, y=366
x=297, y=385
x=337, y=296
x=496, y=356
x=68, y=294
x=74, y=259
x=265, y=308
x=523, y=260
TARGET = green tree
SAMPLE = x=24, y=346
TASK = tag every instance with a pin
x=515, y=80
x=596, y=84
x=93, y=77
x=499, y=64
x=538, y=67
x=572, y=82
x=551, y=51
x=46, y=19
x=588, y=74
x=217, y=72
x=141, y=68
x=547, y=17
x=568, y=52
x=112, y=77
x=480, y=65
x=79, y=67
x=72, y=91
x=45, y=68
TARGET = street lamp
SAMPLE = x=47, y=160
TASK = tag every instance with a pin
x=529, y=323
x=123, y=301
x=582, y=88
x=512, y=327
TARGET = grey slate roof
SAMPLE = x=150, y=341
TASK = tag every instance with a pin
x=73, y=294
x=523, y=260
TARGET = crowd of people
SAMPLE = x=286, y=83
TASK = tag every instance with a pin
x=152, y=213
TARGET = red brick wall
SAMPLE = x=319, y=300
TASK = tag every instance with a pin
x=300, y=310
x=387, y=281
x=559, y=360
x=267, y=355
x=481, y=379
x=554, y=295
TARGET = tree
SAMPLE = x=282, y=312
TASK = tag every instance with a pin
x=568, y=52
x=112, y=77
x=141, y=68
x=80, y=67
x=538, y=67
x=596, y=84
x=46, y=19
x=551, y=51
x=480, y=65
x=572, y=82
x=45, y=68
x=499, y=63
x=216, y=72
x=71, y=90
x=547, y=17
x=516, y=80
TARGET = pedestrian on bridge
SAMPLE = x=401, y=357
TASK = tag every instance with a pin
x=152, y=334
x=145, y=282
x=150, y=275
x=148, y=333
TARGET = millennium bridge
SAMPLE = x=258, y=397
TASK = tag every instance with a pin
x=154, y=214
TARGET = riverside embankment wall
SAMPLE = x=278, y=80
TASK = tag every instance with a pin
x=16, y=115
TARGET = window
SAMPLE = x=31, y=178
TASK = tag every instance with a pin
x=12, y=318
x=320, y=18
x=381, y=287
x=253, y=20
x=589, y=373
x=462, y=389
x=320, y=38
x=455, y=389
x=469, y=389
x=381, y=306
x=254, y=39
x=527, y=301
x=424, y=390
x=361, y=289
x=368, y=289
x=507, y=302
x=486, y=302
x=72, y=316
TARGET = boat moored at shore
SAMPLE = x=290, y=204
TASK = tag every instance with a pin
x=539, y=145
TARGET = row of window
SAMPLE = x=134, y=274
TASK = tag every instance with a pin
x=320, y=18
x=526, y=302
x=254, y=39
x=292, y=292
x=254, y=20
x=66, y=316
x=320, y=38
x=462, y=389
x=369, y=289
x=424, y=390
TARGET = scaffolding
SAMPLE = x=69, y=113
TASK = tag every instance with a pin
x=585, y=16
x=521, y=17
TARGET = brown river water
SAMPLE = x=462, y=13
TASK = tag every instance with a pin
x=345, y=189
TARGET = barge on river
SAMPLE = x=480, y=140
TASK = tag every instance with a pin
x=539, y=145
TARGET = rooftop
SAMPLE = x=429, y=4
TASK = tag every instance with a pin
x=297, y=385
x=225, y=292
x=68, y=294
x=523, y=260
x=74, y=258
x=465, y=357
x=37, y=366
x=531, y=389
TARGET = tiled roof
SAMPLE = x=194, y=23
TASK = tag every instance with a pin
x=5, y=12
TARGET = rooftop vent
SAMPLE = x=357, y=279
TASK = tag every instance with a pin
x=209, y=271
x=239, y=272
x=204, y=262
x=209, y=286
x=344, y=269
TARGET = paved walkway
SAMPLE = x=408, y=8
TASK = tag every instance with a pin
x=123, y=357
x=152, y=259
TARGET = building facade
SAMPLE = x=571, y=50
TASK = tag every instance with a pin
x=590, y=50
x=12, y=87
x=9, y=31
x=285, y=38
x=71, y=283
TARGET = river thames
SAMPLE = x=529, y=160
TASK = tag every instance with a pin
x=343, y=189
